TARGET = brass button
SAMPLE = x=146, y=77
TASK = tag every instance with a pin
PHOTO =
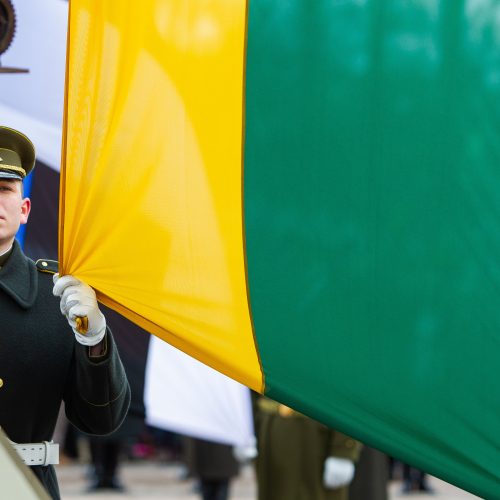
x=284, y=411
x=1, y=383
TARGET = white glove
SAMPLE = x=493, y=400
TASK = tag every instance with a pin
x=78, y=299
x=338, y=472
x=245, y=452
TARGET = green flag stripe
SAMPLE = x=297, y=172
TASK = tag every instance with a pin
x=372, y=211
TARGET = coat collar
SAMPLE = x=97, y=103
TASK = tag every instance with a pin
x=18, y=278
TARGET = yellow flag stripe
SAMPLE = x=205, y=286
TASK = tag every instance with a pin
x=153, y=198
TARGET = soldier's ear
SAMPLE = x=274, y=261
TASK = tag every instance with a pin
x=25, y=210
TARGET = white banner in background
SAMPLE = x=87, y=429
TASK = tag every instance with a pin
x=185, y=396
x=33, y=102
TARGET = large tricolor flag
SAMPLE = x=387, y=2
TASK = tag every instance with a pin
x=304, y=195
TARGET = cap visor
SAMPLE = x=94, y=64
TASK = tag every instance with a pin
x=10, y=175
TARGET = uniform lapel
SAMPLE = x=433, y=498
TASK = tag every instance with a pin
x=18, y=278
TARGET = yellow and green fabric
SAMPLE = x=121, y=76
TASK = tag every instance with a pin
x=305, y=196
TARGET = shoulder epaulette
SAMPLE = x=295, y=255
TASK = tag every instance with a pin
x=47, y=266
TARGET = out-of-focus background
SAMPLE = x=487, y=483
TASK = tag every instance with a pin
x=154, y=466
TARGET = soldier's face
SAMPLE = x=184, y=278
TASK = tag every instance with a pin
x=14, y=211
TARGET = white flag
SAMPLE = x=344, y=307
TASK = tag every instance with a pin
x=185, y=396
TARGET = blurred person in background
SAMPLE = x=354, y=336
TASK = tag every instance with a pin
x=299, y=458
x=371, y=476
x=107, y=452
x=213, y=465
x=415, y=480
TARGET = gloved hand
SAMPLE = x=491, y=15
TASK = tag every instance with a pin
x=245, y=452
x=78, y=299
x=338, y=472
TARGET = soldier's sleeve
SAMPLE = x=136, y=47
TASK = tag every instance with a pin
x=343, y=446
x=97, y=394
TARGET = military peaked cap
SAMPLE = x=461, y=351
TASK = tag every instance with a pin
x=17, y=154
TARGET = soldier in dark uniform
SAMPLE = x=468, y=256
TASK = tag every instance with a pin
x=299, y=458
x=372, y=476
x=214, y=466
x=42, y=362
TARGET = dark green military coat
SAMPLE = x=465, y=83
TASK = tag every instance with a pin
x=292, y=452
x=41, y=364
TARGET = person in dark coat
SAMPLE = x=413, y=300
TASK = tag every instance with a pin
x=415, y=480
x=107, y=452
x=213, y=465
x=372, y=476
x=43, y=359
x=299, y=458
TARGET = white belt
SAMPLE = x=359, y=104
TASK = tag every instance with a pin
x=45, y=453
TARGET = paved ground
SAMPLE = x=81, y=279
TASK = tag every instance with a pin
x=153, y=480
